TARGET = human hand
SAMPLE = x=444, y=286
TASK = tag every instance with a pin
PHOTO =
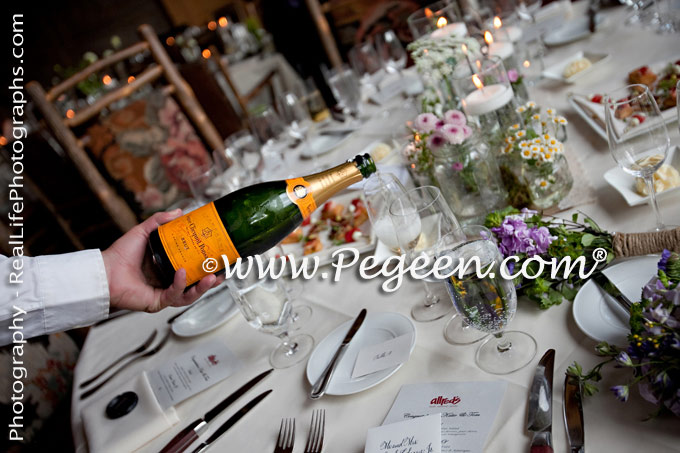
x=129, y=288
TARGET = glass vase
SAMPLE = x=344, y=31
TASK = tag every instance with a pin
x=468, y=177
x=538, y=185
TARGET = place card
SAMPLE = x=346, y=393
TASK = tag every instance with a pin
x=192, y=372
x=419, y=435
x=468, y=410
x=382, y=356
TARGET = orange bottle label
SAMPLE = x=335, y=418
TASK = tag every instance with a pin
x=299, y=193
x=196, y=242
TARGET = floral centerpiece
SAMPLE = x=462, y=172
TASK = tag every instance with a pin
x=532, y=163
x=435, y=60
x=525, y=234
x=653, y=352
x=448, y=152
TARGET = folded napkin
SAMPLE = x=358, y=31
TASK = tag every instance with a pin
x=131, y=431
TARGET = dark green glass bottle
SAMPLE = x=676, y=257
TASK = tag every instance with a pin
x=246, y=222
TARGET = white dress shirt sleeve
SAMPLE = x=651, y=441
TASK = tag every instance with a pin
x=54, y=293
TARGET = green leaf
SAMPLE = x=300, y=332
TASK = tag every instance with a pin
x=587, y=239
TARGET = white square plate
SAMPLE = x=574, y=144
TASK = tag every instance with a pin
x=624, y=183
x=556, y=71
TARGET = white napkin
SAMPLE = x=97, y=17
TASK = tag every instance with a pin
x=131, y=431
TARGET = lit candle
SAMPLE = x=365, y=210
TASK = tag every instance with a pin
x=497, y=24
x=485, y=99
x=467, y=57
x=500, y=49
x=457, y=29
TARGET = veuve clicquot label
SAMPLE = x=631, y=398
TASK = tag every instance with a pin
x=193, y=238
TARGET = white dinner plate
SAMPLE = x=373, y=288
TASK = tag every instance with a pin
x=322, y=144
x=624, y=182
x=602, y=318
x=212, y=310
x=571, y=31
x=556, y=71
x=377, y=328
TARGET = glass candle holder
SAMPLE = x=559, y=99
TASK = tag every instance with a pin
x=437, y=20
x=486, y=94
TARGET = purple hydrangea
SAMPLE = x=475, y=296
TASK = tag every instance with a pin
x=426, y=122
x=515, y=237
x=663, y=262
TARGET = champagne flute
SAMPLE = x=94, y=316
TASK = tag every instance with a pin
x=643, y=154
x=391, y=52
x=380, y=190
x=266, y=305
x=488, y=304
x=365, y=61
x=300, y=313
x=425, y=224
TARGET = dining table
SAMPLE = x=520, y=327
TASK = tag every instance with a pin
x=610, y=425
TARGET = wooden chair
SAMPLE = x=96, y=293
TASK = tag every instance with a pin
x=243, y=100
x=62, y=127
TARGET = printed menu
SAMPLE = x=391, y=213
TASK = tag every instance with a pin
x=468, y=410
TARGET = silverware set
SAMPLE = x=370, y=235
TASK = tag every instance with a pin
x=317, y=428
x=136, y=354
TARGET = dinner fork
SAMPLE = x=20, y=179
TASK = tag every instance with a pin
x=284, y=444
x=148, y=353
x=139, y=349
x=316, y=432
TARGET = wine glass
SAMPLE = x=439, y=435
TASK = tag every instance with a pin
x=391, y=52
x=267, y=125
x=365, y=61
x=488, y=304
x=527, y=9
x=424, y=225
x=458, y=330
x=244, y=148
x=344, y=85
x=266, y=305
x=380, y=190
x=294, y=113
x=642, y=154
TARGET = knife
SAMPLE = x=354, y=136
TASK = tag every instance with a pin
x=573, y=414
x=232, y=420
x=321, y=384
x=604, y=283
x=188, y=435
x=539, y=420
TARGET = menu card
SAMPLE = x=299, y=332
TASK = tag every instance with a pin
x=468, y=410
x=418, y=435
x=192, y=372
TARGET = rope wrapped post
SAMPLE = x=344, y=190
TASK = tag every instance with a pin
x=636, y=244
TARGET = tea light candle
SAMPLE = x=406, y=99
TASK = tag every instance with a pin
x=457, y=29
x=486, y=99
x=512, y=34
x=501, y=49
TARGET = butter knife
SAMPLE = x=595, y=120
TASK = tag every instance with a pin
x=604, y=283
x=321, y=384
x=573, y=414
x=539, y=420
x=188, y=435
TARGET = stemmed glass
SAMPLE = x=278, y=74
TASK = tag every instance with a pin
x=391, y=52
x=642, y=154
x=425, y=225
x=366, y=63
x=488, y=304
x=242, y=149
x=344, y=85
x=266, y=305
x=380, y=190
x=269, y=129
x=295, y=114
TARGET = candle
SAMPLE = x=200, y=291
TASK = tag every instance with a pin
x=467, y=57
x=457, y=29
x=512, y=34
x=499, y=49
x=486, y=99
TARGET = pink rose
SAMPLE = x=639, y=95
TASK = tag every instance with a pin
x=467, y=131
x=426, y=122
x=513, y=75
x=457, y=166
x=455, y=117
x=436, y=141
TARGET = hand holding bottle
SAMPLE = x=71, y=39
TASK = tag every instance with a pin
x=130, y=286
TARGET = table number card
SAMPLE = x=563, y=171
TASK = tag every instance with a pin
x=381, y=356
x=192, y=372
x=468, y=410
x=419, y=435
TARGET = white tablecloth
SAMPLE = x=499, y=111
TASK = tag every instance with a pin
x=610, y=426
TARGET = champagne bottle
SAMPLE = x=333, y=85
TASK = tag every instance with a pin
x=246, y=222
